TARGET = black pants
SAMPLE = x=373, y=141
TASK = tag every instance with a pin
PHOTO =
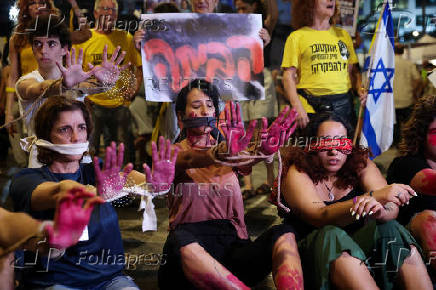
x=250, y=261
x=342, y=105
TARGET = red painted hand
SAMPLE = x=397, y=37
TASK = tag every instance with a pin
x=276, y=135
x=109, y=180
x=233, y=129
x=71, y=217
x=163, y=166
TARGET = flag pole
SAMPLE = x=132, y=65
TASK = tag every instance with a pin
x=359, y=124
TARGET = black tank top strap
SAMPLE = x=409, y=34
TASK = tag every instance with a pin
x=303, y=229
x=350, y=195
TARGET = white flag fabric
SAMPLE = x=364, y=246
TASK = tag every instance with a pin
x=378, y=122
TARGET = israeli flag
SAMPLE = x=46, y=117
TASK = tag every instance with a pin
x=378, y=121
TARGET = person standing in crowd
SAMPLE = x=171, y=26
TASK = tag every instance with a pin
x=22, y=60
x=416, y=166
x=251, y=110
x=110, y=109
x=406, y=81
x=268, y=108
x=50, y=43
x=144, y=112
x=279, y=34
x=344, y=214
x=318, y=63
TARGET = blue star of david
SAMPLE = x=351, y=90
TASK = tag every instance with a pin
x=388, y=74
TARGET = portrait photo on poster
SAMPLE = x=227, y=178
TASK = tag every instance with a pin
x=348, y=13
x=178, y=48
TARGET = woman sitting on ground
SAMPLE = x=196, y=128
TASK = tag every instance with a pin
x=208, y=243
x=63, y=127
x=344, y=214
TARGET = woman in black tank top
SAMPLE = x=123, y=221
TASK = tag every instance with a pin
x=348, y=237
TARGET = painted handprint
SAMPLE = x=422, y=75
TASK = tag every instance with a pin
x=73, y=212
x=109, y=180
x=234, y=131
x=164, y=164
x=276, y=135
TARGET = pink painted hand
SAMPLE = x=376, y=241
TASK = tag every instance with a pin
x=109, y=71
x=276, y=135
x=73, y=211
x=109, y=180
x=163, y=166
x=234, y=131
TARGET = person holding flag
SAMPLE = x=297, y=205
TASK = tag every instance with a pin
x=378, y=120
x=318, y=63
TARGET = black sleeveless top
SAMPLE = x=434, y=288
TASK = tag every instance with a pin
x=303, y=228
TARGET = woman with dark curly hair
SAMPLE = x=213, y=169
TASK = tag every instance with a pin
x=344, y=214
x=417, y=166
x=318, y=62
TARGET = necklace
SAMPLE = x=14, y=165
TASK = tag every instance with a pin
x=331, y=196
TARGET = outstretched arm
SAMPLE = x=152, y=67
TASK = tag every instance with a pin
x=45, y=195
x=73, y=211
x=16, y=229
x=236, y=140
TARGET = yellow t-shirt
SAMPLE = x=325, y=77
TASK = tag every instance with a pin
x=27, y=60
x=321, y=59
x=93, y=53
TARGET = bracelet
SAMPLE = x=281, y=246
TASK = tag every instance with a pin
x=10, y=90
